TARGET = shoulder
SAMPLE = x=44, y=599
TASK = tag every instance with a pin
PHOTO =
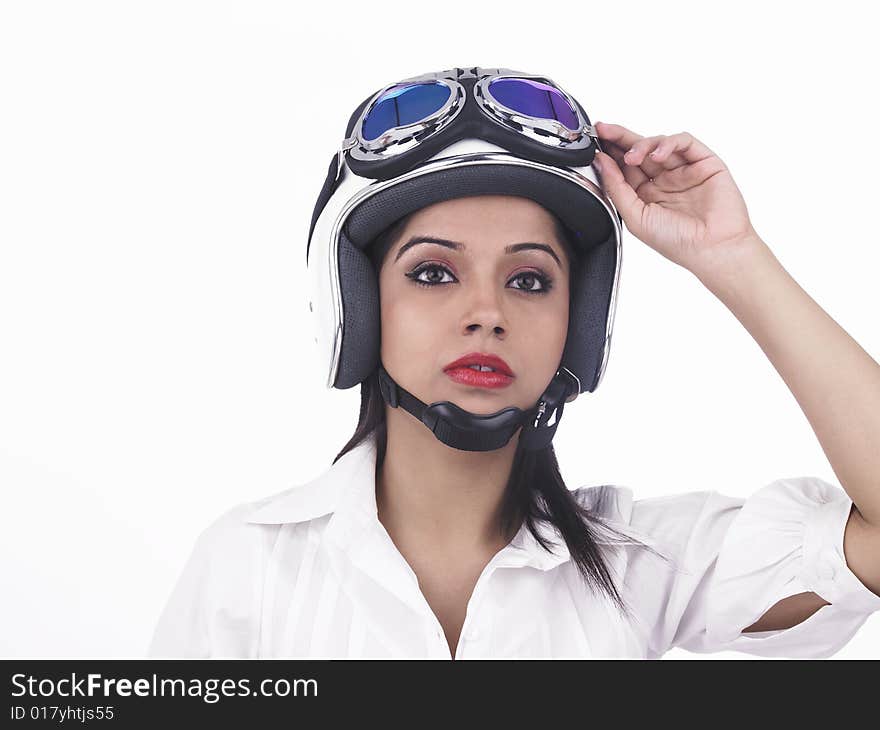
x=653, y=515
x=681, y=519
x=668, y=523
x=213, y=607
x=230, y=547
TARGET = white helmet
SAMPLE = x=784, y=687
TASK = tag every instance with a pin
x=451, y=134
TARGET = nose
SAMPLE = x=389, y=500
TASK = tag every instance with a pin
x=483, y=310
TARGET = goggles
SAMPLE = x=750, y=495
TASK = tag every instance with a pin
x=408, y=122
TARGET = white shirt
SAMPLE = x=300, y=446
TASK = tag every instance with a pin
x=312, y=572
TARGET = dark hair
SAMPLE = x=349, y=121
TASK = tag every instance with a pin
x=535, y=488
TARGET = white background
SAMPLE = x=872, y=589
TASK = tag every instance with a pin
x=159, y=163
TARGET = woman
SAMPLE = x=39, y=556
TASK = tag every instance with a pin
x=465, y=258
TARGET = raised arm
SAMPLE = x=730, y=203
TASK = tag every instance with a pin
x=678, y=197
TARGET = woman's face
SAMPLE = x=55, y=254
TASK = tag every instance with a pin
x=439, y=303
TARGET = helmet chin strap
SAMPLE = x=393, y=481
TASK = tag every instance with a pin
x=467, y=431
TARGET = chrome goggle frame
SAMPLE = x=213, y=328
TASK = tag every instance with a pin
x=397, y=140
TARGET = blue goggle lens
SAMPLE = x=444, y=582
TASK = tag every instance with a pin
x=534, y=99
x=404, y=104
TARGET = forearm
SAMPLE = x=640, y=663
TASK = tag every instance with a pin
x=835, y=382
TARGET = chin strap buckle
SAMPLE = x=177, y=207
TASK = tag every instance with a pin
x=539, y=433
x=541, y=408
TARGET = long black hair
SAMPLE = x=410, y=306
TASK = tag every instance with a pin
x=535, y=488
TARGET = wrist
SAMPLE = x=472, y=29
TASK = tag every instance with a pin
x=732, y=261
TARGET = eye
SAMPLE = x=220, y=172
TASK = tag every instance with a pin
x=432, y=279
x=531, y=278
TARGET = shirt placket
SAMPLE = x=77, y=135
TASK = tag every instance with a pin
x=476, y=631
x=384, y=563
x=378, y=557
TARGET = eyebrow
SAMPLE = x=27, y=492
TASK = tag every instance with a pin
x=512, y=248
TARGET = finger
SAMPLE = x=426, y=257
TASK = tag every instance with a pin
x=637, y=156
x=641, y=148
x=622, y=193
x=617, y=154
x=657, y=154
x=687, y=176
x=633, y=174
x=668, y=152
x=616, y=133
x=616, y=142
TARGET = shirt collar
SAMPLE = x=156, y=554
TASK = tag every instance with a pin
x=347, y=491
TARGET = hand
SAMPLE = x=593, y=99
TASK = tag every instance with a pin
x=674, y=194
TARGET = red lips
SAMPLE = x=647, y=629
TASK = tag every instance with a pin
x=478, y=358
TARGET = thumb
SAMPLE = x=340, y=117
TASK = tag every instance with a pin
x=628, y=204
